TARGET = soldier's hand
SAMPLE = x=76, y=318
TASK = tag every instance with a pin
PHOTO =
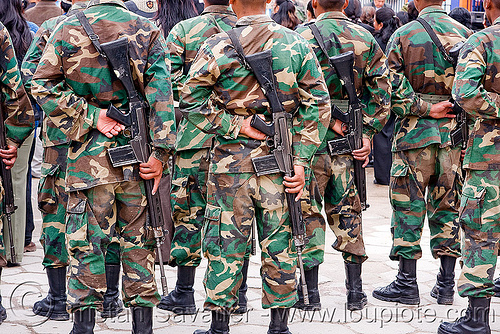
x=442, y=110
x=247, y=130
x=295, y=184
x=339, y=127
x=108, y=126
x=364, y=152
x=9, y=156
x=152, y=170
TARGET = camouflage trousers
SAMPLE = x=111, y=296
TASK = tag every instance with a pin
x=188, y=206
x=414, y=172
x=234, y=202
x=333, y=181
x=94, y=216
x=480, y=221
x=52, y=201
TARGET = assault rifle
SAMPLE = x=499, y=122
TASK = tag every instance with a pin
x=343, y=65
x=8, y=200
x=281, y=159
x=353, y=139
x=460, y=133
x=138, y=149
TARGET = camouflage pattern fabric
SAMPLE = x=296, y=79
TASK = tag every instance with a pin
x=234, y=201
x=479, y=216
x=476, y=90
x=17, y=111
x=423, y=159
x=93, y=217
x=413, y=172
x=74, y=109
x=52, y=196
x=189, y=190
x=418, y=66
x=218, y=94
x=72, y=98
x=188, y=205
x=334, y=176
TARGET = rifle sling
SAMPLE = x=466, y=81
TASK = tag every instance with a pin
x=321, y=41
x=94, y=38
x=435, y=39
x=239, y=49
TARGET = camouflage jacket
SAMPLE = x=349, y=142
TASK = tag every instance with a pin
x=15, y=105
x=72, y=83
x=477, y=90
x=419, y=67
x=371, y=75
x=51, y=134
x=220, y=93
x=183, y=42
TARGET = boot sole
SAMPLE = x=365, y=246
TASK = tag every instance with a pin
x=402, y=300
x=179, y=310
x=448, y=300
x=52, y=315
x=357, y=306
x=308, y=307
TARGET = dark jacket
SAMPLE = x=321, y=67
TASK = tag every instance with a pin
x=44, y=10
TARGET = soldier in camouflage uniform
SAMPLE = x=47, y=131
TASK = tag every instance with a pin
x=476, y=91
x=19, y=122
x=52, y=200
x=423, y=158
x=333, y=177
x=191, y=161
x=219, y=97
x=74, y=86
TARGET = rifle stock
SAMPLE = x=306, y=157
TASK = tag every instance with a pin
x=344, y=65
x=8, y=201
x=261, y=65
x=135, y=119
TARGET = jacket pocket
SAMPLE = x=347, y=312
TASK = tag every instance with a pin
x=77, y=226
x=399, y=193
x=471, y=206
x=211, y=232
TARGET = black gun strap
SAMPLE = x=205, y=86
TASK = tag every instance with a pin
x=94, y=38
x=239, y=49
x=321, y=41
x=435, y=39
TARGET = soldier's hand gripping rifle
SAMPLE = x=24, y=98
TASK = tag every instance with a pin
x=281, y=159
x=138, y=150
x=343, y=65
x=8, y=198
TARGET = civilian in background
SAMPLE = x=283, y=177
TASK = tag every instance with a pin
x=403, y=17
x=412, y=11
x=367, y=17
x=171, y=12
x=353, y=10
x=144, y=8
x=310, y=12
x=284, y=14
x=386, y=23
x=378, y=4
x=461, y=15
x=17, y=26
x=43, y=10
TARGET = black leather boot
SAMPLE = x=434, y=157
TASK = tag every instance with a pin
x=142, y=320
x=181, y=300
x=443, y=290
x=83, y=321
x=3, y=311
x=475, y=320
x=242, y=292
x=312, y=290
x=279, y=321
x=54, y=305
x=112, y=304
x=496, y=288
x=356, y=298
x=404, y=289
x=220, y=324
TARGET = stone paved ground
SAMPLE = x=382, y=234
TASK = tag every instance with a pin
x=22, y=286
